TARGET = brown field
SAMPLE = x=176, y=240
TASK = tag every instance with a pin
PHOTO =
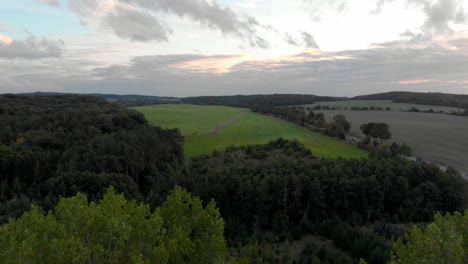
x=433, y=137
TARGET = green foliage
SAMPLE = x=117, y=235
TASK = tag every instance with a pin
x=61, y=145
x=393, y=150
x=279, y=191
x=444, y=241
x=377, y=131
x=115, y=230
x=193, y=234
x=338, y=127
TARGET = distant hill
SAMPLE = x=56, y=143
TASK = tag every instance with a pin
x=249, y=100
x=440, y=99
x=125, y=100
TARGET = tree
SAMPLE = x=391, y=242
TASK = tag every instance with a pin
x=377, y=131
x=397, y=150
x=193, y=234
x=115, y=230
x=319, y=120
x=341, y=121
x=444, y=241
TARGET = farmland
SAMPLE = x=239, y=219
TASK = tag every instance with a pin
x=346, y=105
x=433, y=137
x=238, y=126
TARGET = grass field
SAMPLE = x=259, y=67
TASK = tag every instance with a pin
x=195, y=122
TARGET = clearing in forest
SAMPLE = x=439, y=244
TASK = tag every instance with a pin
x=239, y=127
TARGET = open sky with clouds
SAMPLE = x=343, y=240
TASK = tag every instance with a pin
x=225, y=47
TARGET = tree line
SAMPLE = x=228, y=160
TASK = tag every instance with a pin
x=337, y=127
x=440, y=99
x=248, y=101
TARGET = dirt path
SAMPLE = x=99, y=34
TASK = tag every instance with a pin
x=215, y=131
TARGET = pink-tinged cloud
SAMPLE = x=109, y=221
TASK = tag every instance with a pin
x=214, y=65
x=415, y=81
x=4, y=39
x=459, y=82
x=234, y=63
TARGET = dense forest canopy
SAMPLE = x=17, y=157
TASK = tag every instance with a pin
x=59, y=145
x=53, y=146
x=281, y=186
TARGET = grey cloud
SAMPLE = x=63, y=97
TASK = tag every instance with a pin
x=136, y=25
x=380, y=5
x=344, y=73
x=290, y=40
x=31, y=48
x=364, y=71
x=460, y=44
x=50, y=2
x=83, y=8
x=319, y=7
x=208, y=13
x=309, y=40
x=439, y=13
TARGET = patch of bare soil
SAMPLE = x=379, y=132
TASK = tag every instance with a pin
x=215, y=131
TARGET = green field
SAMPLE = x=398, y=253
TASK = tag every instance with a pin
x=195, y=122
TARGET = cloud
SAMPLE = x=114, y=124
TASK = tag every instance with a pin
x=5, y=40
x=135, y=25
x=50, y=2
x=320, y=7
x=314, y=72
x=409, y=82
x=126, y=16
x=309, y=40
x=30, y=48
x=439, y=13
x=290, y=40
x=405, y=65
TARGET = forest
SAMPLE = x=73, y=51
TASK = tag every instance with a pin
x=273, y=194
x=249, y=101
x=127, y=100
x=439, y=99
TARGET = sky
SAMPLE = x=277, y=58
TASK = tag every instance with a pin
x=227, y=47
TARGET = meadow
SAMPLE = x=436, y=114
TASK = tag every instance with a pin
x=197, y=124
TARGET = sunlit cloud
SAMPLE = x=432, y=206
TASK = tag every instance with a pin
x=213, y=65
x=459, y=82
x=231, y=63
x=5, y=39
x=415, y=81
